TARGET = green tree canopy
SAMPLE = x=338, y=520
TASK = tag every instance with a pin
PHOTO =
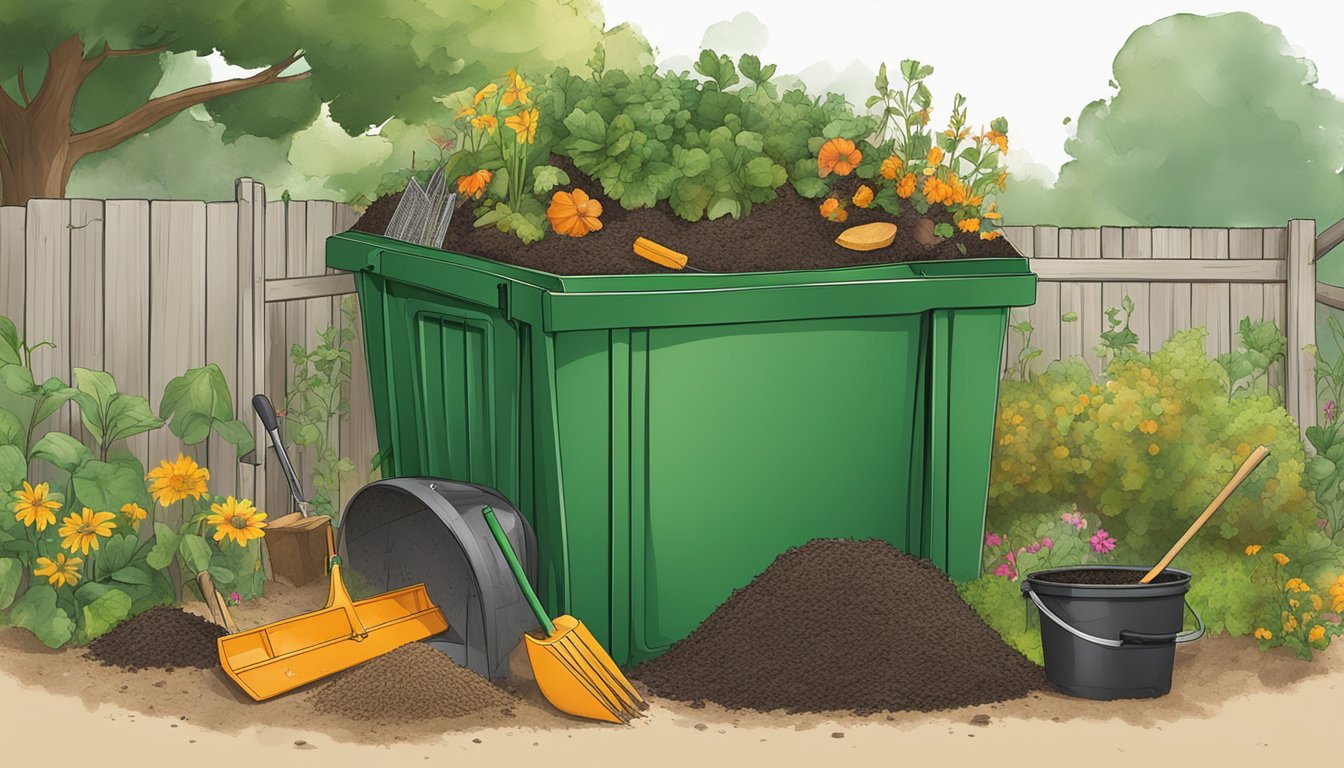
x=78, y=78
x=1213, y=122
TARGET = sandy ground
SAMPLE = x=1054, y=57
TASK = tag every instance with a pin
x=1228, y=702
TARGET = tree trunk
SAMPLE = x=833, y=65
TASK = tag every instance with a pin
x=35, y=136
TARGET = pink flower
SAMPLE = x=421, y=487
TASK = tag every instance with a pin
x=1102, y=541
x=992, y=540
x=1322, y=523
x=235, y=598
x=1004, y=569
x=1076, y=520
x=1046, y=543
x=1331, y=411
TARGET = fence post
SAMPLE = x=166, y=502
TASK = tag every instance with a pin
x=1300, y=379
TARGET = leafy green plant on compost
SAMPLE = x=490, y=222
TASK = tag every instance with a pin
x=318, y=401
x=83, y=545
x=1144, y=446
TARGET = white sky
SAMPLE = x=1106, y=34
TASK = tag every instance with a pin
x=1032, y=61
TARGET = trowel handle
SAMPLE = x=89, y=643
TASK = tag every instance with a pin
x=517, y=568
x=262, y=405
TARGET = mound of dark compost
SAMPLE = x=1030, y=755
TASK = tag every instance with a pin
x=788, y=233
x=1105, y=577
x=842, y=625
x=412, y=683
x=161, y=638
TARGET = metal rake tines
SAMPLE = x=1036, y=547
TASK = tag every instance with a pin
x=396, y=228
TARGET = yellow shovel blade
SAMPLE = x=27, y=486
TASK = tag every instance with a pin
x=281, y=656
x=575, y=674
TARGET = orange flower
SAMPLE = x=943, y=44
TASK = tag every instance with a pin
x=485, y=93
x=464, y=112
x=992, y=213
x=999, y=140
x=1002, y=180
x=524, y=124
x=839, y=156
x=486, y=123
x=864, y=197
x=936, y=190
x=892, y=167
x=969, y=225
x=957, y=194
x=831, y=210
x=574, y=214
x=516, y=90
x=935, y=157
x=995, y=235
x=906, y=187
x=473, y=184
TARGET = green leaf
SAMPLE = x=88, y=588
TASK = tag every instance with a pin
x=199, y=394
x=13, y=471
x=115, y=553
x=166, y=542
x=547, y=177
x=943, y=229
x=19, y=380
x=106, y=486
x=195, y=552
x=1069, y=317
x=62, y=451
x=222, y=575
x=54, y=394
x=237, y=433
x=131, y=575
x=106, y=612
x=130, y=415
x=750, y=66
x=38, y=613
x=10, y=571
x=725, y=206
x=760, y=172
x=10, y=345
x=96, y=390
x=12, y=430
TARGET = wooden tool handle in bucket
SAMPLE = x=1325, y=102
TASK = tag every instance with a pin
x=1247, y=467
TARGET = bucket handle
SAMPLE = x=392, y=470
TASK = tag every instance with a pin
x=1127, y=637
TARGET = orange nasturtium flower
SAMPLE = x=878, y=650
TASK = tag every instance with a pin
x=574, y=214
x=935, y=157
x=35, y=506
x=134, y=514
x=1253, y=549
x=864, y=197
x=524, y=124
x=991, y=213
x=236, y=520
x=176, y=480
x=485, y=93
x=831, y=209
x=1263, y=634
x=906, y=187
x=1281, y=558
x=1316, y=634
x=82, y=531
x=969, y=225
x=464, y=112
x=60, y=571
x=473, y=184
x=838, y=156
x=995, y=235
x=516, y=90
x=999, y=140
x=936, y=190
x=486, y=123
x=892, y=167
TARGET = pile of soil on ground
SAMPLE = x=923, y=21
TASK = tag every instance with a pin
x=844, y=625
x=414, y=682
x=161, y=638
x=1106, y=576
x=788, y=233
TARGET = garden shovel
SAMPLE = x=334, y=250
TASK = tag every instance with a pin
x=573, y=670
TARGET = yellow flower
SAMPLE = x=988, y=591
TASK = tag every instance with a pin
x=1316, y=634
x=1001, y=181
x=1317, y=603
x=838, y=156
x=995, y=235
x=935, y=157
x=1148, y=426
x=464, y=112
x=237, y=520
x=35, y=506
x=524, y=124
x=1061, y=452
x=1263, y=634
x=906, y=187
x=892, y=167
x=1292, y=603
x=81, y=532
x=991, y=213
x=516, y=90
x=1290, y=624
x=1292, y=584
x=1154, y=449
x=486, y=123
x=1253, y=549
x=134, y=514
x=485, y=93
x=176, y=480
x=969, y=225
x=473, y=184
x=999, y=140
x=59, y=571
x=864, y=197
x=1281, y=558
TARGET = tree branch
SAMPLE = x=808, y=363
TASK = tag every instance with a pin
x=158, y=109
x=23, y=89
x=136, y=51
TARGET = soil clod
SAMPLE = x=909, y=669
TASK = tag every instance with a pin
x=160, y=638
x=838, y=625
x=412, y=683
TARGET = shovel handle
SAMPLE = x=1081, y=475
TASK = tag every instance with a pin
x=517, y=568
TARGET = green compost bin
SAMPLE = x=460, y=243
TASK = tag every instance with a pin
x=669, y=435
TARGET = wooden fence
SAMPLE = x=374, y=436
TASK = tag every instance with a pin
x=148, y=289
x=1178, y=278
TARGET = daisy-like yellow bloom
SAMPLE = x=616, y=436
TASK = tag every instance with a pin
x=60, y=571
x=134, y=513
x=176, y=480
x=524, y=124
x=516, y=90
x=1281, y=558
x=82, y=532
x=1317, y=633
x=1253, y=549
x=237, y=520
x=35, y=507
x=485, y=93
x=486, y=123
x=1263, y=634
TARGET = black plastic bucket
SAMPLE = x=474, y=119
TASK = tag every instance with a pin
x=1111, y=641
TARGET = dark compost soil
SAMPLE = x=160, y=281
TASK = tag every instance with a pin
x=160, y=638
x=844, y=625
x=788, y=233
x=1105, y=576
x=414, y=682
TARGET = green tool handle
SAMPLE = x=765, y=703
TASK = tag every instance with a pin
x=517, y=568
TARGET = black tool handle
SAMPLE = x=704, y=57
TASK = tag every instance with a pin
x=262, y=405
